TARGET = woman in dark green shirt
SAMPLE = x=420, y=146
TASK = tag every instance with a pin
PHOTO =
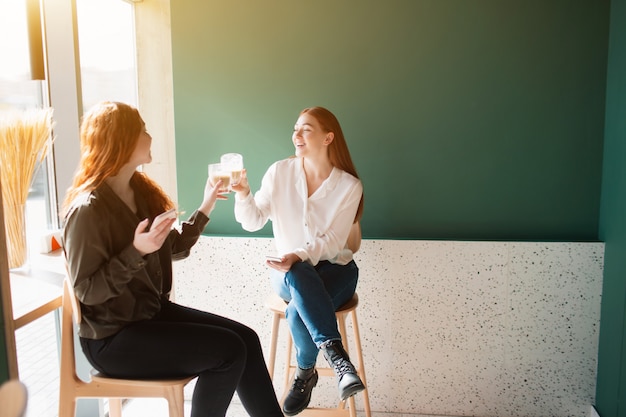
x=120, y=262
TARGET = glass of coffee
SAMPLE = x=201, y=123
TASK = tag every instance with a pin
x=233, y=164
x=218, y=172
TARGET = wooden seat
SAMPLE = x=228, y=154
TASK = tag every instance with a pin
x=101, y=386
x=277, y=306
x=13, y=398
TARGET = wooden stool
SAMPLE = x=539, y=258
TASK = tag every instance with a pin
x=277, y=306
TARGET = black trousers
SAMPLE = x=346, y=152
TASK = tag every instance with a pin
x=180, y=341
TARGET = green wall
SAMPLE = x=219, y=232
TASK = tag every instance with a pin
x=472, y=120
x=611, y=384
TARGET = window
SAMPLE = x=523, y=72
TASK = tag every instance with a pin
x=106, y=39
x=15, y=65
x=19, y=92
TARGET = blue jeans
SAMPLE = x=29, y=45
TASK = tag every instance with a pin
x=314, y=294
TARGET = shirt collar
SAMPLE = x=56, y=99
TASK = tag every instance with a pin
x=327, y=186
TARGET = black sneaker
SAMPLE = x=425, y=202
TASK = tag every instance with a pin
x=299, y=395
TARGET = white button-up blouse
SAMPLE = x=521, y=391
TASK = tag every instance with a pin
x=315, y=228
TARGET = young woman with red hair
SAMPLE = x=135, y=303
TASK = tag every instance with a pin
x=314, y=201
x=120, y=263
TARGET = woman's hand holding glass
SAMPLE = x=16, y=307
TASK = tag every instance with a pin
x=212, y=193
x=242, y=187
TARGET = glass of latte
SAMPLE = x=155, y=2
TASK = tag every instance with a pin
x=218, y=172
x=232, y=163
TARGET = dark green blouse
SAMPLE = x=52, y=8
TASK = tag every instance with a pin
x=113, y=282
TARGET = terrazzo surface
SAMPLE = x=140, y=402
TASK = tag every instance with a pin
x=448, y=328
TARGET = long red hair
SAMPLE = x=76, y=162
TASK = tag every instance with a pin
x=109, y=133
x=338, y=152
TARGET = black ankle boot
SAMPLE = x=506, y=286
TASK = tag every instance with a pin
x=299, y=395
x=348, y=381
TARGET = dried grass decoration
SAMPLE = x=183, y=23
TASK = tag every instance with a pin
x=25, y=138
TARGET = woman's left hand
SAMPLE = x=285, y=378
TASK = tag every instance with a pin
x=148, y=240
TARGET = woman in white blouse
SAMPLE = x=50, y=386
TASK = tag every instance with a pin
x=315, y=202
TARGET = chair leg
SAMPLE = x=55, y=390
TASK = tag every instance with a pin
x=115, y=407
x=176, y=402
x=67, y=406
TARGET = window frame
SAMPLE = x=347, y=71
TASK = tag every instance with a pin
x=154, y=83
x=62, y=92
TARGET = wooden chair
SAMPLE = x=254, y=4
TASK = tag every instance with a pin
x=13, y=398
x=101, y=386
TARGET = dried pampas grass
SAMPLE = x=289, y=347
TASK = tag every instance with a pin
x=25, y=138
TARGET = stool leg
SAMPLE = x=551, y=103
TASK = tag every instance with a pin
x=341, y=323
x=273, y=340
x=361, y=368
x=352, y=406
x=288, y=366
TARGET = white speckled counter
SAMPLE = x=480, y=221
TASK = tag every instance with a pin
x=448, y=328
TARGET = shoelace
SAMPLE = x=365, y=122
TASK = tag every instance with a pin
x=299, y=385
x=343, y=367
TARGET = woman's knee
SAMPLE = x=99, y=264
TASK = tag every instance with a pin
x=300, y=271
x=249, y=336
x=231, y=354
x=280, y=287
x=301, y=267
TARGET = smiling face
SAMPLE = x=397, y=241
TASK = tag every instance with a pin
x=309, y=138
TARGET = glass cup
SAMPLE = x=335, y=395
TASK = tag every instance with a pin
x=232, y=163
x=218, y=172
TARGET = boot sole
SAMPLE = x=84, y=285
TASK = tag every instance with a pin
x=351, y=390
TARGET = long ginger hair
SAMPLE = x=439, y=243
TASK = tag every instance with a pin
x=108, y=136
x=338, y=152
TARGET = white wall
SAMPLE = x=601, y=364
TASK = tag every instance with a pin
x=448, y=328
